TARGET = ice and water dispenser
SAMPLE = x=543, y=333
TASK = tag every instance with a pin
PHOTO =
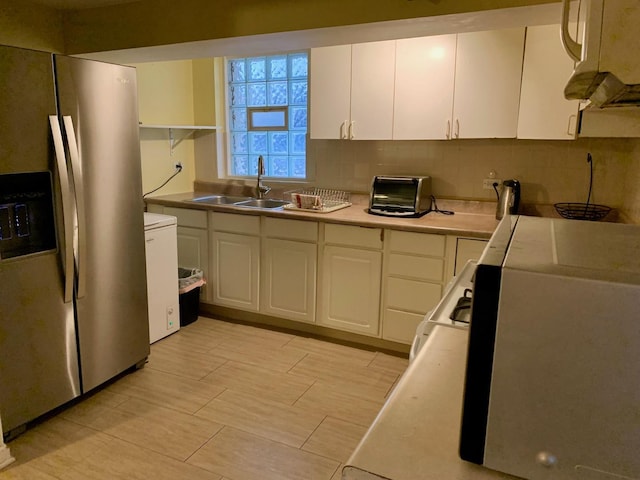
x=27, y=223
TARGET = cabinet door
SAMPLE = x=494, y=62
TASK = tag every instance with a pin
x=372, y=85
x=193, y=252
x=423, y=102
x=544, y=112
x=350, y=298
x=288, y=280
x=236, y=270
x=468, y=249
x=330, y=91
x=487, y=84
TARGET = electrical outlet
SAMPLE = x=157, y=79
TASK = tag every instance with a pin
x=178, y=165
x=487, y=183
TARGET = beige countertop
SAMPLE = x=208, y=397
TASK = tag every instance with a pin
x=471, y=219
x=415, y=435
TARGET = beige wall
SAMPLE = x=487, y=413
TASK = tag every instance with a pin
x=549, y=171
x=28, y=25
x=165, y=97
x=163, y=22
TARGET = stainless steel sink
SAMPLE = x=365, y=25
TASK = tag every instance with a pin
x=262, y=203
x=220, y=199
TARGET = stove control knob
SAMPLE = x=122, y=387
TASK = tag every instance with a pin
x=546, y=459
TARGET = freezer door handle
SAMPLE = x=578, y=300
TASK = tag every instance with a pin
x=65, y=193
x=78, y=184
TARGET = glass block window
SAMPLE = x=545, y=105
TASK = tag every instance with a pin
x=267, y=114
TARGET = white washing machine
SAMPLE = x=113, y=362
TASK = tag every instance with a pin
x=161, y=248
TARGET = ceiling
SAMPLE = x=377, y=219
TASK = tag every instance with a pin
x=79, y=4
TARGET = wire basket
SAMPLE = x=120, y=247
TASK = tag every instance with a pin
x=321, y=200
x=582, y=211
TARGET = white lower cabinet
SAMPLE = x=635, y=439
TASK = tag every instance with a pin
x=235, y=262
x=289, y=269
x=193, y=252
x=350, y=279
x=358, y=279
x=413, y=279
x=459, y=251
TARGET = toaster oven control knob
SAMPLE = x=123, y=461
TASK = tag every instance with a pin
x=546, y=459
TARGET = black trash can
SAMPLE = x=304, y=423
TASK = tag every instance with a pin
x=190, y=280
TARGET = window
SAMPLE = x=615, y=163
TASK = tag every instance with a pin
x=267, y=114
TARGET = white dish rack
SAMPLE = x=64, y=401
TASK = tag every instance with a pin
x=318, y=200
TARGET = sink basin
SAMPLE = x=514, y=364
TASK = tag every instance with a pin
x=220, y=199
x=262, y=203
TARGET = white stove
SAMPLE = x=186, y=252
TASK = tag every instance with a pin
x=453, y=310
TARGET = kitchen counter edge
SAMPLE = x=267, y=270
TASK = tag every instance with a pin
x=473, y=225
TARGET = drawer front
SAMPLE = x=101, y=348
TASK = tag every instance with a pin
x=188, y=217
x=353, y=236
x=400, y=326
x=290, y=229
x=417, y=243
x=235, y=223
x=411, y=295
x=424, y=268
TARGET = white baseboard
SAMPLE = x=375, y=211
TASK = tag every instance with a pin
x=5, y=456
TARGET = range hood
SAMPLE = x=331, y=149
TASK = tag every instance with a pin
x=607, y=71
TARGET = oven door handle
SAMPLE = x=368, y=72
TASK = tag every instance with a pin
x=67, y=219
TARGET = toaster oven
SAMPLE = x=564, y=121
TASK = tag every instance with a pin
x=399, y=196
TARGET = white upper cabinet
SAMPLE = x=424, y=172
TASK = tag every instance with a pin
x=372, y=84
x=351, y=91
x=544, y=112
x=330, y=92
x=487, y=83
x=425, y=69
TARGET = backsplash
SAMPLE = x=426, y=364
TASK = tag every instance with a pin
x=549, y=171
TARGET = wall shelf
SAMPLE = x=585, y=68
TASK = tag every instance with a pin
x=185, y=132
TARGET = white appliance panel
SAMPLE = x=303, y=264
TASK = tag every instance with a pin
x=161, y=248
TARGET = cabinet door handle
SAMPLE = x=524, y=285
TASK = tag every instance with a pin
x=457, y=133
x=352, y=134
x=343, y=130
x=447, y=133
x=571, y=132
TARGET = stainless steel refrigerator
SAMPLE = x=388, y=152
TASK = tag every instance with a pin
x=73, y=300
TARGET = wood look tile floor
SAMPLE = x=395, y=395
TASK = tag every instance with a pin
x=217, y=401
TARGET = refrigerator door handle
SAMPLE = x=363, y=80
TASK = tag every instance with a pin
x=65, y=193
x=78, y=184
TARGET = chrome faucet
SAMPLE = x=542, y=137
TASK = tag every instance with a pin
x=261, y=190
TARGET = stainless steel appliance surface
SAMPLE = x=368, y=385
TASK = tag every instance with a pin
x=607, y=71
x=73, y=303
x=551, y=386
x=400, y=196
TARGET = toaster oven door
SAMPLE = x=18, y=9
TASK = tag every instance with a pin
x=395, y=196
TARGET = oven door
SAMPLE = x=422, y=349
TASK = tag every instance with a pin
x=453, y=310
